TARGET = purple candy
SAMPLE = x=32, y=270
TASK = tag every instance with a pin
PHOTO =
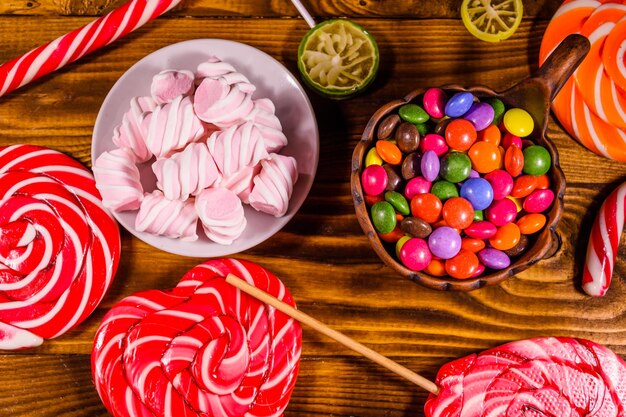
x=430, y=165
x=481, y=115
x=494, y=258
x=444, y=242
x=474, y=174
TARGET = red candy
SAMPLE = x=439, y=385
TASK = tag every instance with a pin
x=458, y=212
x=198, y=346
x=501, y=212
x=433, y=142
x=472, y=245
x=510, y=139
x=59, y=246
x=538, y=201
x=415, y=186
x=415, y=254
x=501, y=182
x=427, y=207
x=374, y=180
x=463, y=265
x=481, y=230
x=514, y=160
x=523, y=186
x=460, y=135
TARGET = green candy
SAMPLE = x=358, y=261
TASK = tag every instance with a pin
x=478, y=216
x=455, y=167
x=422, y=128
x=383, y=217
x=444, y=190
x=401, y=243
x=398, y=202
x=413, y=113
x=537, y=160
x=498, y=109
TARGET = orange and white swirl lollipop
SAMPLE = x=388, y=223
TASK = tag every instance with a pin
x=59, y=247
x=592, y=104
x=203, y=348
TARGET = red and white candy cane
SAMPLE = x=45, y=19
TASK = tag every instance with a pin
x=203, y=348
x=78, y=43
x=59, y=247
x=604, y=243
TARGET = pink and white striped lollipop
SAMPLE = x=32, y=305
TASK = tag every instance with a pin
x=604, y=243
x=78, y=43
x=59, y=247
x=203, y=348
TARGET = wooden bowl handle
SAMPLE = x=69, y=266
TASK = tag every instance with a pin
x=562, y=63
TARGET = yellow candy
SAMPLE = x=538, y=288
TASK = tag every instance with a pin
x=372, y=158
x=517, y=201
x=518, y=122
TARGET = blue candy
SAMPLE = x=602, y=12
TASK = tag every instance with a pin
x=478, y=192
x=459, y=104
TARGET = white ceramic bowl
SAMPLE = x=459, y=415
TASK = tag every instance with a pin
x=272, y=80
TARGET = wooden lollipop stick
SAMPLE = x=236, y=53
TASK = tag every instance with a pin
x=333, y=334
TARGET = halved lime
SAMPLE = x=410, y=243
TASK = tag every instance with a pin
x=492, y=20
x=338, y=58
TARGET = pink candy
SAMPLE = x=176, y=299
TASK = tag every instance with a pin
x=374, y=180
x=434, y=142
x=501, y=212
x=117, y=179
x=415, y=186
x=501, y=183
x=538, y=201
x=415, y=254
x=435, y=102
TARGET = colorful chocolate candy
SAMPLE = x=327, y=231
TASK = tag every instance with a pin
x=455, y=185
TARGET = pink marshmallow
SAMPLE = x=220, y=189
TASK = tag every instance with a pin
x=169, y=84
x=220, y=103
x=117, y=179
x=274, y=185
x=221, y=214
x=171, y=218
x=129, y=133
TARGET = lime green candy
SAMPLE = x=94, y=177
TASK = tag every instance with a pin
x=455, y=167
x=537, y=160
x=383, y=217
x=398, y=202
x=498, y=109
x=519, y=122
x=444, y=190
x=423, y=129
x=413, y=113
x=478, y=215
x=372, y=158
x=401, y=243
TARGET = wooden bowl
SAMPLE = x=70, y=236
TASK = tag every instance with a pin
x=533, y=94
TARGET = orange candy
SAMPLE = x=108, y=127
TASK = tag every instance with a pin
x=370, y=200
x=427, y=207
x=460, y=135
x=458, y=212
x=393, y=236
x=514, y=160
x=543, y=182
x=506, y=237
x=436, y=268
x=485, y=156
x=491, y=134
x=531, y=223
x=463, y=265
x=523, y=186
x=472, y=245
x=389, y=152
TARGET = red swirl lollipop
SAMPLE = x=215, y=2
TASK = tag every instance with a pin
x=543, y=377
x=59, y=247
x=203, y=348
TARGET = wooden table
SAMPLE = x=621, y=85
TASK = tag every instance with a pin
x=322, y=254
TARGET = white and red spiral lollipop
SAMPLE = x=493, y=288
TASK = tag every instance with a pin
x=203, y=348
x=59, y=247
x=604, y=243
x=542, y=377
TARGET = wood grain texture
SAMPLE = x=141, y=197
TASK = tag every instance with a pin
x=272, y=8
x=322, y=254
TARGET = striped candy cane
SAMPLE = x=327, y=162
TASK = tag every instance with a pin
x=78, y=43
x=604, y=244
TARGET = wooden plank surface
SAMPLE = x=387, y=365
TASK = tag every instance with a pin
x=322, y=254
